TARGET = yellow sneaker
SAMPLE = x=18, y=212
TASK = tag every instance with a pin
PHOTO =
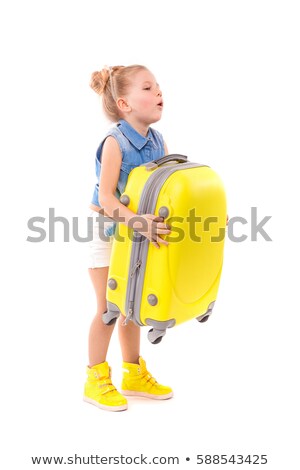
x=100, y=391
x=137, y=381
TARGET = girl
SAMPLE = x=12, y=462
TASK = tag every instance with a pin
x=132, y=99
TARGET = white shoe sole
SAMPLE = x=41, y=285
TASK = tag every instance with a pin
x=105, y=407
x=132, y=393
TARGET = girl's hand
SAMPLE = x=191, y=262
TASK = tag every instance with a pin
x=151, y=226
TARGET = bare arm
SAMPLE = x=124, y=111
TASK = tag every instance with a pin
x=109, y=176
x=166, y=149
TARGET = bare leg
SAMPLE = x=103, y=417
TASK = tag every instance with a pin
x=100, y=334
x=129, y=337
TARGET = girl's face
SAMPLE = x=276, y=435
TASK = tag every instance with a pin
x=144, y=98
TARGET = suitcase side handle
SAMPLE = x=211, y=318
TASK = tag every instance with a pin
x=167, y=158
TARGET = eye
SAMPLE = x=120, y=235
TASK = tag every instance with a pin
x=147, y=88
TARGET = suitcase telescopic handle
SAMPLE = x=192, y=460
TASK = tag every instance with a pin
x=167, y=158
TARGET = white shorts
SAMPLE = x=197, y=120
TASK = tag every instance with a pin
x=99, y=247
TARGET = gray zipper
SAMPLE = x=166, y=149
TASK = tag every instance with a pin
x=140, y=245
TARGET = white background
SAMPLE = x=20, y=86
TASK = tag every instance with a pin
x=229, y=71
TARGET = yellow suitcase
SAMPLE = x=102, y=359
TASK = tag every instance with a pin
x=164, y=287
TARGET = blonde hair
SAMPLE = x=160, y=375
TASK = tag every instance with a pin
x=111, y=83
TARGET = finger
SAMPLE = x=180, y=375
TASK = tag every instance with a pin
x=165, y=226
x=155, y=244
x=160, y=228
x=162, y=241
x=152, y=217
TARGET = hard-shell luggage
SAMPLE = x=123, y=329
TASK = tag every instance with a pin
x=164, y=287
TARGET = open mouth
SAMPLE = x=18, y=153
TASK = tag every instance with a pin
x=161, y=104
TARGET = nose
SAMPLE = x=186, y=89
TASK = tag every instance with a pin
x=159, y=92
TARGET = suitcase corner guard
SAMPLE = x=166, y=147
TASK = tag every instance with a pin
x=112, y=313
x=156, y=333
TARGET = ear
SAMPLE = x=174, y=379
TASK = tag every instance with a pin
x=123, y=106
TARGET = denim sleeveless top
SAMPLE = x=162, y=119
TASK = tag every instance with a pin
x=136, y=150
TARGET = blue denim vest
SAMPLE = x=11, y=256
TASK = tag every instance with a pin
x=136, y=150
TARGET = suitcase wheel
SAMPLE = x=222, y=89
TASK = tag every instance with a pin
x=204, y=319
x=205, y=316
x=158, y=340
x=155, y=336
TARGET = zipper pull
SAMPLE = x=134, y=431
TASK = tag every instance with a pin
x=128, y=317
x=135, y=267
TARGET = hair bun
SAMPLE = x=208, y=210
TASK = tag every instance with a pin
x=99, y=80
